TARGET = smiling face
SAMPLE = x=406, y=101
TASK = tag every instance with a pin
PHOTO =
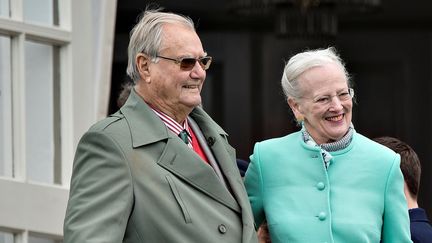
x=164, y=84
x=325, y=105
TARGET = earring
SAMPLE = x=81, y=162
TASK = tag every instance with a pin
x=300, y=118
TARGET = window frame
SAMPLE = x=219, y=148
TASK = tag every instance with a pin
x=27, y=202
x=85, y=54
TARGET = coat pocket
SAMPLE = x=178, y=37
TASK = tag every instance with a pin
x=179, y=200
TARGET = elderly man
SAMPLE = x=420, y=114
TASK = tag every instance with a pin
x=160, y=169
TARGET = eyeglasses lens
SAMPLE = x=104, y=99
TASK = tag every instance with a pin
x=189, y=63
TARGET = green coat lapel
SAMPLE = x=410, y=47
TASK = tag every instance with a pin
x=186, y=164
x=224, y=154
x=147, y=129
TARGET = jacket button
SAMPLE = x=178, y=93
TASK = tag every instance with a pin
x=222, y=229
x=320, y=186
x=322, y=216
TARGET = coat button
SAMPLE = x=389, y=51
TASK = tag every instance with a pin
x=222, y=228
x=322, y=216
x=320, y=186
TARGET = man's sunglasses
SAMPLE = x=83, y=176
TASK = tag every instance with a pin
x=187, y=63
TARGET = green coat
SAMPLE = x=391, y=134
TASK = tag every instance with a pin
x=135, y=181
x=359, y=199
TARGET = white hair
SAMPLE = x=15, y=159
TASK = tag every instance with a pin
x=304, y=61
x=146, y=36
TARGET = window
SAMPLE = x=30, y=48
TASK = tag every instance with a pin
x=49, y=96
x=6, y=237
x=42, y=113
x=35, y=53
x=43, y=12
x=4, y=11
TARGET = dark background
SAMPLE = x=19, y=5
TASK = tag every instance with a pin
x=387, y=49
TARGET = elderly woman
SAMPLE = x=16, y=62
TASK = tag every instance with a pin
x=326, y=183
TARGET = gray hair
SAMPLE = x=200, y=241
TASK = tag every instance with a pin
x=146, y=36
x=301, y=62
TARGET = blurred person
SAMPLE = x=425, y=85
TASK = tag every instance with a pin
x=160, y=169
x=124, y=93
x=421, y=229
x=326, y=182
x=263, y=233
x=242, y=166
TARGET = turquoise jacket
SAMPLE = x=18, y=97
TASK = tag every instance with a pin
x=359, y=199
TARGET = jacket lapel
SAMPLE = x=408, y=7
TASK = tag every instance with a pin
x=188, y=166
x=224, y=154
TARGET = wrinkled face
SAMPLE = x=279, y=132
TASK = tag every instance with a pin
x=171, y=88
x=325, y=105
